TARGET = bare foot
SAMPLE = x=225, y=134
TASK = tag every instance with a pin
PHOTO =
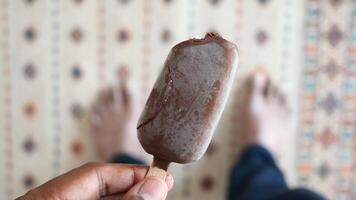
x=113, y=121
x=264, y=113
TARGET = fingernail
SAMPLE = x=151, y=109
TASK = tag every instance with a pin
x=152, y=189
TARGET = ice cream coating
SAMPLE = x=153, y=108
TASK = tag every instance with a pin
x=188, y=98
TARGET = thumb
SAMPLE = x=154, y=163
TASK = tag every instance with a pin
x=150, y=188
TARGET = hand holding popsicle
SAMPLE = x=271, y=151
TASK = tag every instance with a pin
x=187, y=101
x=176, y=125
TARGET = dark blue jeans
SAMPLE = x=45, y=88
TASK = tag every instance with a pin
x=254, y=177
x=257, y=177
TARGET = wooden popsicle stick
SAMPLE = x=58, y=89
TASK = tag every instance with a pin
x=158, y=169
x=157, y=172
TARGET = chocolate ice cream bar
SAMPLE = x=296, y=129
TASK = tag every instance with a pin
x=187, y=100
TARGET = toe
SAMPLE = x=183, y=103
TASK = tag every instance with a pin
x=281, y=98
x=125, y=93
x=245, y=90
x=257, y=83
x=248, y=85
x=272, y=91
x=262, y=83
x=127, y=98
x=106, y=96
x=266, y=91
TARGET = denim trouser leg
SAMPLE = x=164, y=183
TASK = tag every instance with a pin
x=126, y=159
x=257, y=177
